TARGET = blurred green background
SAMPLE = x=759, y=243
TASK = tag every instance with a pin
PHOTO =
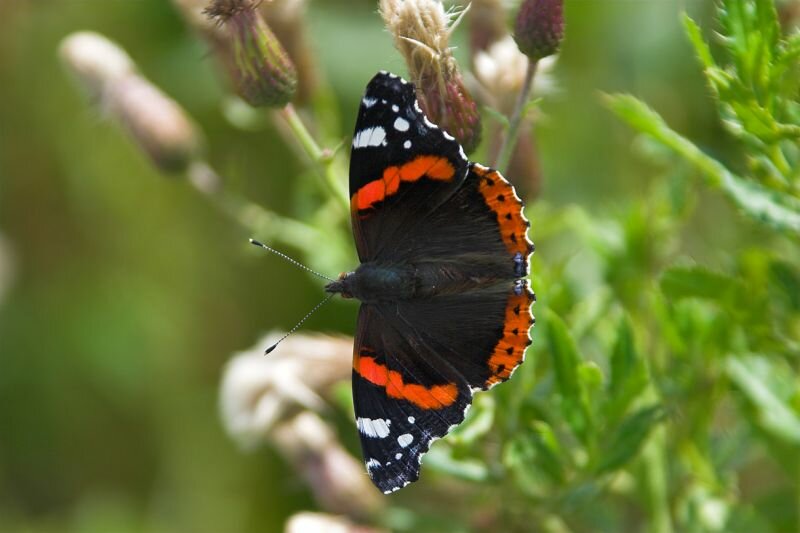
x=129, y=291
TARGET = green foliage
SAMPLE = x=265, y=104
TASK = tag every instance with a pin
x=755, y=92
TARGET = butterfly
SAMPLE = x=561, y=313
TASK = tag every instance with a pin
x=445, y=305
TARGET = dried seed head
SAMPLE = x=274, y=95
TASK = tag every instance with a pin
x=260, y=69
x=539, y=27
x=95, y=62
x=487, y=24
x=336, y=478
x=155, y=122
x=304, y=522
x=421, y=30
x=502, y=68
x=257, y=391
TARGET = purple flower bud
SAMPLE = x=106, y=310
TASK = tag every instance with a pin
x=539, y=27
x=260, y=69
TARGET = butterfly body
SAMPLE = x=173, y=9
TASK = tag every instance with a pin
x=445, y=305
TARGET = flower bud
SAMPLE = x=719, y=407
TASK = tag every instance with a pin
x=260, y=69
x=95, y=61
x=287, y=19
x=421, y=30
x=258, y=392
x=539, y=27
x=336, y=478
x=155, y=122
x=305, y=522
x=487, y=24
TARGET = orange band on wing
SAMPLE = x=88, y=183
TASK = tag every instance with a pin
x=501, y=198
x=431, y=166
x=434, y=397
x=509, y=351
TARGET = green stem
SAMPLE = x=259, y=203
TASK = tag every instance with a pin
x=262, y=223
x=510, y=141
x=323, y=161
x=655, y=480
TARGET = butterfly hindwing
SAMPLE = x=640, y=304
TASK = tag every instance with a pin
x=404, y=397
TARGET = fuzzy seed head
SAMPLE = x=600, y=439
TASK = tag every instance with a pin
x=262, y=72
x=155, y=122
x=539, y=27
x=421, y=31
x=94, y=61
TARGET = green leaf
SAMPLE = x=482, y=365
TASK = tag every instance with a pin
x=566, y=365
x=440, y=459
x=497, y=116
x=768, y=388
x=629, y=375
x=478, y=422
x=627, y=440
x=787, y=280
x=696, y=38
x=550, y=456
x=779, y=211
x=699, y=282
x=519, y=459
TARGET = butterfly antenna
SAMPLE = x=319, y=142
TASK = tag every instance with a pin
x=292, y=261
x=323, y=302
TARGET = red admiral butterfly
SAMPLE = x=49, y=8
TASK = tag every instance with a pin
x=445, y=307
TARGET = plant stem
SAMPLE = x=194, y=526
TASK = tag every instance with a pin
x=321, y=159
x=655, y=483
x=510, y=141
x=263, y=223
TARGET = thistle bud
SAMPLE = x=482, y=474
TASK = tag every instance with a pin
x=539, y=27
x=421, y=30
x=154, y=121
x=260, y=69
x=287, y=19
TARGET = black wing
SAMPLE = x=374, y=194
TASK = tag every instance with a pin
x=402, y=167
x=404, y=395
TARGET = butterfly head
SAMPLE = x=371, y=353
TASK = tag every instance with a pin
x=342, y=285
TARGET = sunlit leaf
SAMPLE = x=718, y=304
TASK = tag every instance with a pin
x=779, y=211
x=628, y=373
x=626, y=441
x=761, y=382
x=566, y=364
x=699, y=282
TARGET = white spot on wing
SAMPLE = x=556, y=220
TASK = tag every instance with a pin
x=411, y=419
x=405, y=439
x=373, y=463
x=401, y=124
x=375, y=428
x=407, y=145
x=448, y=136
x=395, y=108
x=369, y=102
x=370, y=137
x=398, y=456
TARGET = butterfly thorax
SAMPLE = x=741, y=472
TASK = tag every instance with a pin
x=372, y=282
